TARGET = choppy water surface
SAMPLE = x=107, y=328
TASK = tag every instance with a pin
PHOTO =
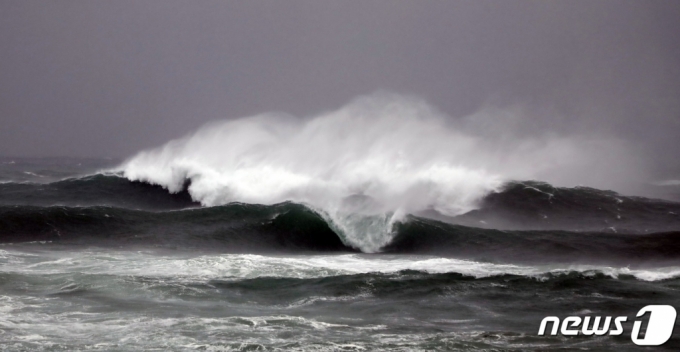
x=57, y=298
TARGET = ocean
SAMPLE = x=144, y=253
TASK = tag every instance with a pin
x=90, y=260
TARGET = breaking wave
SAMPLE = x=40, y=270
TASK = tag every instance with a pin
x=367, y=165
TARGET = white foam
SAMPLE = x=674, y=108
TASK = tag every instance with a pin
x=246, y=266
x=106, y=332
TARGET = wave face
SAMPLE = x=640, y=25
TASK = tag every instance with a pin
x=232, y=228
x=364, y=166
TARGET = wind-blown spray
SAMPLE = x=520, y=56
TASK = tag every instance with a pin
x=362, y=166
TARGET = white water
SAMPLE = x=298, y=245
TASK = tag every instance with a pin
x=368, y=163
x=247, y=266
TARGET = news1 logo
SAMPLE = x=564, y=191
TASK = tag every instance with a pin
x=659, y=328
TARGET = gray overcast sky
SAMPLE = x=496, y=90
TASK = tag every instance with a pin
x=108, y=78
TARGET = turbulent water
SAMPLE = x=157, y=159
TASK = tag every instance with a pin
x=94, y=261
x=381, y=226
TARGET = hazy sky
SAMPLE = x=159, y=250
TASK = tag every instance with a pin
x=95, y=78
